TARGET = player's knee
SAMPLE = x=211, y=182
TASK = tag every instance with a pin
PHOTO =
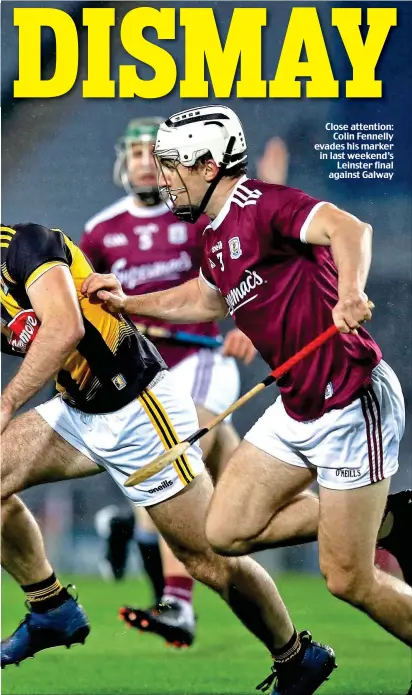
x=348, y=584
x=7, y=487
x=222, y=540
x=207, y=568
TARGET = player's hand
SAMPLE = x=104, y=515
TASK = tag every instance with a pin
x=351, y=311
x=107, y=288
x=272, y=167
x=238, y=345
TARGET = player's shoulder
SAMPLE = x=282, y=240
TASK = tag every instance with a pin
x=270, y=197
x=267, y=191
x=108, y=213
x=250, y=193
x=25, y=229
x=27, y=234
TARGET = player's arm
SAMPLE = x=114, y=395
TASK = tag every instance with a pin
x=192, y=302
x=38, y=258
x=350, y=240
x=54, y=301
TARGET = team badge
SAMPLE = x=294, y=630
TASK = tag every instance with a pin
x=234, y=247
x=177, y=233
x=119, y=381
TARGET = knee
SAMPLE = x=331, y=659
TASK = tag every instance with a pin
x=222, y=540
x=348, y=584
x=206, y=567
x=6, y=487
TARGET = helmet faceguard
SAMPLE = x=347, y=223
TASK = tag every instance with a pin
x=190, y=212
x=187, y=136
x=138, y=131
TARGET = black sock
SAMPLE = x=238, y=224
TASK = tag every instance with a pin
x=288, y=653
x=46, y=595
x=152, y=563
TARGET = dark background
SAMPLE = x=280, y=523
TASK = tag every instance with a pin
x=57, y=158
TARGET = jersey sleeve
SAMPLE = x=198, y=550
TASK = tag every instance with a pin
x=205, y=270
x=33, y=250
x=289, y=211
x=91, y=245
x=206, y=277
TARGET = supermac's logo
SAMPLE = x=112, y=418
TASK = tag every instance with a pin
x=241, y=295
x=23, y=327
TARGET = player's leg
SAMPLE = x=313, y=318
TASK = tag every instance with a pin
x=148, y=540
x=270, y=505
x=172, y=617
x=391, y=537
x=203, y=375
x=178, y=498
x=181, y=522
x=352, y=503
x=263, y=487
x=178, y=583
x=349, y=522
x=40, y=456
x=241, y=582
x=219, y=449
x=116, y=527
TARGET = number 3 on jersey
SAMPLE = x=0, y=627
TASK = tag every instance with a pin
x=220, y=257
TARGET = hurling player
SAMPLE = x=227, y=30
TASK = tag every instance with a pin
x=286, y=266
x=118, y=407
x=140, y=240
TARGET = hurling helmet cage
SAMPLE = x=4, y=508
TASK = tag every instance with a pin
x=138, y=131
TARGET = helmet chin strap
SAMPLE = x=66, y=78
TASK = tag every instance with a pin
x=191, y=213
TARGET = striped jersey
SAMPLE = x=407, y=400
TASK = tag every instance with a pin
x=113, y=363
x=281, y=291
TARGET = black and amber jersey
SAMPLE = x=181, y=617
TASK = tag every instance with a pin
x=113, y=363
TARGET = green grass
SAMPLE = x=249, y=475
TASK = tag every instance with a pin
x=224, y=659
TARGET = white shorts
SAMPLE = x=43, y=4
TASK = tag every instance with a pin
x=127, y=439
x=212, y=380
x=350, y=447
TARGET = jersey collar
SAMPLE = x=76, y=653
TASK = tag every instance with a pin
x=225, y=209
x=145, y=211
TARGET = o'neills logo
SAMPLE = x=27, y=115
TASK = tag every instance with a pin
x=239, y=296
x=163, y=486
x=348, y=473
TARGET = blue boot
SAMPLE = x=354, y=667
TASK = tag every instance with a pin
x=65, y=625
x=306, y=676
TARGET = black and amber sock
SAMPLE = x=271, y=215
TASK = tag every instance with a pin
x=46, y=595
x=291, y=652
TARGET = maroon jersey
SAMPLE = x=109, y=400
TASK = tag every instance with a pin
x=281, y=292
x=149, y=250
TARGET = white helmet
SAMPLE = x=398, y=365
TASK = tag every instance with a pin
x=189, y=134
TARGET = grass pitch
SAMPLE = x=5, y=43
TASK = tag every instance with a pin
x=224, y=658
